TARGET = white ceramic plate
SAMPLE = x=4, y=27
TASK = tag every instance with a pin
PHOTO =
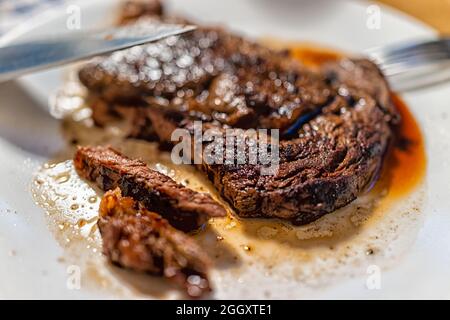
x=32, y=266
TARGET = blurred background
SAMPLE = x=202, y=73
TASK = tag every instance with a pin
x=435, y=13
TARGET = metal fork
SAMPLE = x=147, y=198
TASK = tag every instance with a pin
x=414, y=65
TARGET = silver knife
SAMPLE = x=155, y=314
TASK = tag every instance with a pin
x=39, y=54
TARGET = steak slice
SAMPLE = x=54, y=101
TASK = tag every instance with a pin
x=184, y=208
x=335, y=123
x=138, y=239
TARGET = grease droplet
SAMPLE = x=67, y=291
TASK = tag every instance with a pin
x=62, y=178
x=81, y=223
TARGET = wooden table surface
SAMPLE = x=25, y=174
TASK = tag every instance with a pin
x=435, y=13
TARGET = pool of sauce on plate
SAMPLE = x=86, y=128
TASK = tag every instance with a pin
x=406, y=162
x=377, y=228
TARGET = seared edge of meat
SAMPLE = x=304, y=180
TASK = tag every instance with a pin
x=184, y=208
x=138, y=239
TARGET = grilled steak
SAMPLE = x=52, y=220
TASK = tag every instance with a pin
x=136, y=238
x=330, y=160
x=335, y=123
x=184, y=208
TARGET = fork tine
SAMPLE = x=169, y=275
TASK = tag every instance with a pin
x=398, y=59
x=423, y=51
x=417, y=60
x=414, y=65
x=394, y=53
x=405, y=46
x=398, y=69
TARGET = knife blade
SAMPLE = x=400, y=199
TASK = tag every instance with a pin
x=38, y=54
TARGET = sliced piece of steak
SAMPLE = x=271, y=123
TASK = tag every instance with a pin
x=138, y=239
x=184, y=208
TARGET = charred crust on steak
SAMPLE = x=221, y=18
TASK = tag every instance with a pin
x=138, y=239
x=184, y=208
